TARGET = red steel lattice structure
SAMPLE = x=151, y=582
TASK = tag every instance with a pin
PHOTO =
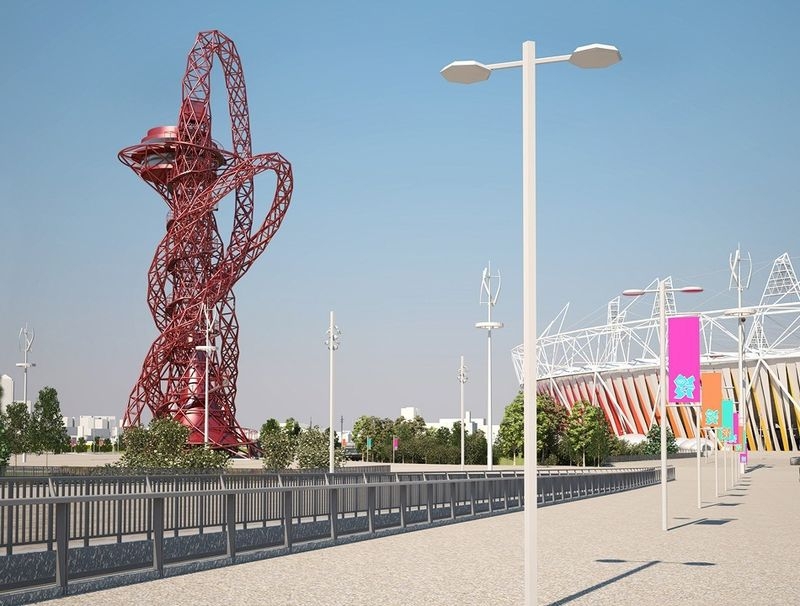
x=193, y=270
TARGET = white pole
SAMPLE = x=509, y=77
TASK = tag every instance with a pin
x=330, y=424
x=489, y=440
x=25, y=386
x=529, y=312
x=662, y=315
x=724, y=466
x=716, y=466
x=699, y=483
x=461, y=379
x=742, y=397
x=208, y=348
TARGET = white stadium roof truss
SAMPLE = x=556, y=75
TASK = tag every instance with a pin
x=624, y=347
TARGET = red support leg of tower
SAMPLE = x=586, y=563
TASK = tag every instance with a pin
x=193, y=270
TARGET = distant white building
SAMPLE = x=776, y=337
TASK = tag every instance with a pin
x=90, y=428
x=409, y=413
x=7, y=383
x=471, y=424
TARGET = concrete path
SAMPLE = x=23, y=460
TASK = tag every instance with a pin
x=743, y=547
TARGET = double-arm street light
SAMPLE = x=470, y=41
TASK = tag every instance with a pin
x=662, y=291
x=468, y=72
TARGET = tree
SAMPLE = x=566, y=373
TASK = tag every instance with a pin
x=163, y=445
x=48, y=433
x=586, y=427
x=313, y=450
x=653, y=444
x=511, y=437
x=380, y=430
x=19, y=428
x=551, y=425
x=551, y=422
x=475, y=448
x=5, y=447
x=277, y=445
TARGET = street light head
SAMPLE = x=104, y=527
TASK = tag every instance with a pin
x=466, y=72
x=633, y=292
x=595, y=56
x=690, y=289
x=740, y=312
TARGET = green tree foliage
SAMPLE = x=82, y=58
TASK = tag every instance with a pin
x=551, y=423
x=163, y=445
x=380, y=430
x=5, y=447
x=278, y=445
x=653, y=444
x=18, y=428
x=511, y=437
x=474, y=448
x=81, y=445
x=587, y=432
x=313, y=450
x=48, y=433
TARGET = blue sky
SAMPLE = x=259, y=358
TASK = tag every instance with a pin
x=406, y=185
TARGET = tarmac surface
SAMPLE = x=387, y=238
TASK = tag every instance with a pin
x=741, y=547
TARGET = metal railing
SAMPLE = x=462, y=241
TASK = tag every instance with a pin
x=53, y=518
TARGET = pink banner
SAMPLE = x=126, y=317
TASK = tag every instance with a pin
x=735, y=439
x=683, y=340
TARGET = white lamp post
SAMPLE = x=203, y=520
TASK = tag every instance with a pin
x=207, y=350
x=662, y=291
x=742, y=313
x=462, y=378
x=489, y=297
x=26, y=336
x=332, y=343
x=467, y=72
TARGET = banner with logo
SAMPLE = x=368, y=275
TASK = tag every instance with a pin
x=683, y=340
x=726, y=429
x=711, y=392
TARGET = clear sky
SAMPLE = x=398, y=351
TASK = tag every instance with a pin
x=406, y=185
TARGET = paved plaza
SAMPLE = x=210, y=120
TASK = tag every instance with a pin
x=742, y=547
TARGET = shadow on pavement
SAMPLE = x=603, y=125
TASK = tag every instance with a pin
x=632, y=571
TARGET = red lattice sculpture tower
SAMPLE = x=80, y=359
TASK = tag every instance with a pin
x=192, y=270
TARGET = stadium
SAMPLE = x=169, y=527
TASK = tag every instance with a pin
x=616, y=366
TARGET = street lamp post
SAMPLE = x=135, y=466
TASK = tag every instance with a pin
x=489, y=297
x=26, y=336
x=207, y=350
x=332, y=343
x=468, y=72
x=742, y=313
x=661, y=291
x=462, y=378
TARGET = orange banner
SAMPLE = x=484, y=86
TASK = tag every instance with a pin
x=711, y=393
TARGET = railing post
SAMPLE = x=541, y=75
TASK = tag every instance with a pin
x=158, y=535
x=403, y=502
x=490, y=489
x=453, y=486
x=62, y=544
x=230, y=525
x=429, y=495
x=371, y=507
x=86, y=510
x=472, y=498
x=505, y=490
x=333, y=511
x=287, y=519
